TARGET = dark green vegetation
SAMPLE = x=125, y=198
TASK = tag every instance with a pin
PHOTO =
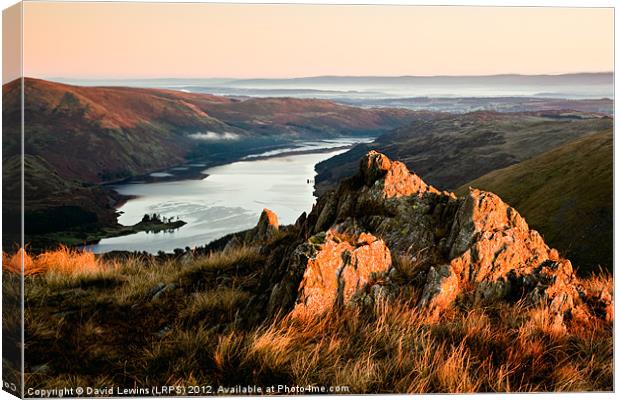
x=77, y=138
x=185, y=321
x=567, y=195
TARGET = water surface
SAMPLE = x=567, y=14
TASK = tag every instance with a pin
x=229, y=199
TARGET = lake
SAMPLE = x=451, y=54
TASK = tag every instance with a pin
x=229, y=199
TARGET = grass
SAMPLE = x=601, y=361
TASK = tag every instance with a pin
x=63, y=261
x=104, y=327
x=567, y=195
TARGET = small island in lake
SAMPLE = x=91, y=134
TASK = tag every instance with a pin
x=150, y=223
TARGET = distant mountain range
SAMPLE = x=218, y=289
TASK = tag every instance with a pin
x=369, y=88
x=578, y=78
x=560, y=79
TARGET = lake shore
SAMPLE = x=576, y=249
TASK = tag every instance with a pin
x=194, y=169
x=229, y=201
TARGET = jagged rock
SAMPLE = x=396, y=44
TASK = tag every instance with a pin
x=392, y=178
x=156, y=289
x=494, y=255
x=388, y=201
x=477, y=248
x=266, y=227
x=474, y=250
x=163, y=331
x=605, y=302
x=188, y=257
x=340, y=268
x=374, y=166
x=264, y=230
x=284, y=293
x=232, y=244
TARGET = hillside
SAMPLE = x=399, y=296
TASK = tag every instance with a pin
x=77, y=137
x=567, y=195
x=451, y=150
x=501, y=104
x=387, y=285
x=96, y=134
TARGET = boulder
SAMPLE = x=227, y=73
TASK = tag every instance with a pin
x=267, y=224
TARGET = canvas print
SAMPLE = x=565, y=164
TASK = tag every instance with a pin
x=231, y=199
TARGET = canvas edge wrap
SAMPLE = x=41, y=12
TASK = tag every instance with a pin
x=13, y=204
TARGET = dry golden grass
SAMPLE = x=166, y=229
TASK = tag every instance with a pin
x=13, y=263
x=63, y=260
x=67, y=261
x=396, y=350
x=113, y=332
x=221, y=304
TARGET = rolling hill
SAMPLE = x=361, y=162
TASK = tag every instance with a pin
x=567, y=195
x=451, y=150
x=98, y=134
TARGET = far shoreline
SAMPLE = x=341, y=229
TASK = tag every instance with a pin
x=195, y=171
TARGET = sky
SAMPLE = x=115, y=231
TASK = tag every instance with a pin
x=157, y=40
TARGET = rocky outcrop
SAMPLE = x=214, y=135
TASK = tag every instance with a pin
x=476, y=249
x=493, y=255
x=265, y=230
x=338, y=270
x=267, y=225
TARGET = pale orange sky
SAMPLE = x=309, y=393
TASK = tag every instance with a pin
x=117, y=40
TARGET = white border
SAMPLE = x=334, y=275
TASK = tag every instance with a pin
x=523, y=3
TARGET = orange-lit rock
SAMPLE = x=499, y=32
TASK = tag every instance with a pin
x=267, y=225
x=391, y=177
x=340, y=269
x=477, y=248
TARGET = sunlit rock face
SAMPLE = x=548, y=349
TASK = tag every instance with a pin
x=267, y=224
x=473, y=249
x=342, y=266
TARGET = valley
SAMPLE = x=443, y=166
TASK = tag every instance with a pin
x=298, y=199
x=281, y=226
x=131, y=138
x=228, y=199
x=78, y=139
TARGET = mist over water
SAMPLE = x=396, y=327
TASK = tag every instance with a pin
x=570, y=86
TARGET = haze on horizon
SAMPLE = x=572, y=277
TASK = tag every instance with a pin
x=180, y=40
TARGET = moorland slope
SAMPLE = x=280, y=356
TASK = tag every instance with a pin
x=566, y=194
